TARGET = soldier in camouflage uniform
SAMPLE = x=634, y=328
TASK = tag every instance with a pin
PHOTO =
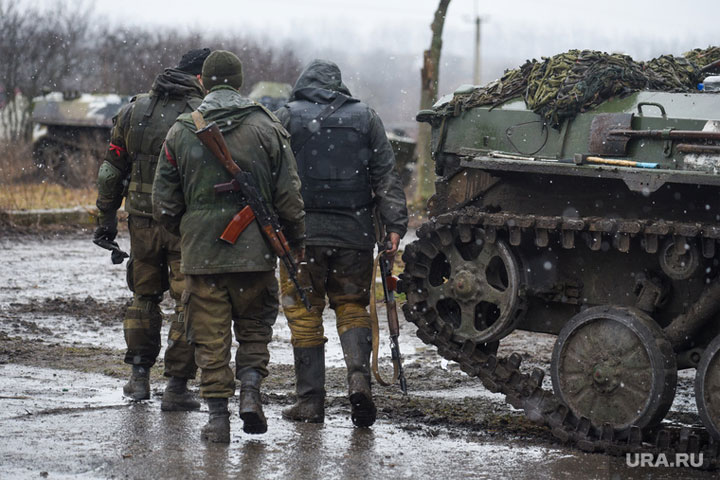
x=346, y=165
x=229, y=286
x=128, y=170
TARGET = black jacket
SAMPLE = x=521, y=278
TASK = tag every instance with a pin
x=340, y=225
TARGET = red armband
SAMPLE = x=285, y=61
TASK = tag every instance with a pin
x=169, y=157
x=117, y=149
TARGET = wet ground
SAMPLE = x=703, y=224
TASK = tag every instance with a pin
x=62, y=414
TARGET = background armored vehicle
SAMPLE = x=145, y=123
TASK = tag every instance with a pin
x=272, y=95
x=599, y=226
x=71, y=133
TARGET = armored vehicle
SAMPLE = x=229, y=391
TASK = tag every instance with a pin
x=602, y=228
x=71, y=133
x=272, y=95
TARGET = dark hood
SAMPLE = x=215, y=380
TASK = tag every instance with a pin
x=319, y=82
x=174, y=82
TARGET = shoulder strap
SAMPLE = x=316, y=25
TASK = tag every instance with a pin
x=146, y=115
x=326, y=112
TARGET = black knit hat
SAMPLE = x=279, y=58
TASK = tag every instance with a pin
x=192, y=61
x=222, y=68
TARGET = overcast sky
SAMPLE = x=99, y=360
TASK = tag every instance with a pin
x=518, y=29
x=379, y=43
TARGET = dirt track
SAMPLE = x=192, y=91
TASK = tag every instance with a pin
x=61, y=307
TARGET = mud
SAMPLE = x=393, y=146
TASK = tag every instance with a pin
x=62, y=414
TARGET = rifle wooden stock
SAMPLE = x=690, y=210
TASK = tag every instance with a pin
x=237, y=225
x=212, y=138
x=393, y=323
x=391, y=282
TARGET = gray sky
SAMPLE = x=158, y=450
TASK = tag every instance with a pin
x=379, y=43
x=519, y=29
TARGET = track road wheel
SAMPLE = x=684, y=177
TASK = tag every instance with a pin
x=474, y=286
x=614, y=366
x=707, y=388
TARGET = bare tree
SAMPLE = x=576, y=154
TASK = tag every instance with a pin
x=127, y=61
x=56, y=48
x=429, y=76
x=38, y=49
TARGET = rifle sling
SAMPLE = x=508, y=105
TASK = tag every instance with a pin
x=325, y=113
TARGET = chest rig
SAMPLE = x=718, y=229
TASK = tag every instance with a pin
x=333, y=154
x=151, y=118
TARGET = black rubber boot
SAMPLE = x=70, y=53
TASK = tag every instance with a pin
x=217, y=429
x=177, y=398
x=357, y=345
x=138, y=386
x=309, y=385
x=251, y=411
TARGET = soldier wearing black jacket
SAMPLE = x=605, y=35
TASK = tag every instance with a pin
x=346, y=166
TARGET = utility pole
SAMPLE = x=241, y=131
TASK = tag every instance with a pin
x=476, y=72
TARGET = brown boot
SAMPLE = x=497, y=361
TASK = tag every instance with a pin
x=309, y=385
x=217, y=429
x=177, y=398
x=138, y=386
x=251, y=411
x=356, y=345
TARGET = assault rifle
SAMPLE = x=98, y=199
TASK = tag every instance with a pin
x=243, y=182
x=389, y=283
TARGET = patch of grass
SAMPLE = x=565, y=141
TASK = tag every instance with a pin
x=24, y=186
x=33, y=196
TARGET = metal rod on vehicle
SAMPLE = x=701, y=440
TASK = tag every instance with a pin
x=690, y=148
x=667, y=134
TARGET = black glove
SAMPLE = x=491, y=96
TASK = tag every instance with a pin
x=106, y=230
x=104, y=237
x=105, y=233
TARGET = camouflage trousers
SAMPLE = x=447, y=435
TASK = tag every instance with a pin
x=155, y=268
x=245, y=302
x=344, y=275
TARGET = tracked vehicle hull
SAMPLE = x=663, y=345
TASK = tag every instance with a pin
x=71, y=134
x=532, y=228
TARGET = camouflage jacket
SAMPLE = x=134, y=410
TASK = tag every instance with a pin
x=184, y=200
x=136, y=140
x=320, y=83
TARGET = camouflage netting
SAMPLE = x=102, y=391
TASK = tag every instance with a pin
x=561, y=86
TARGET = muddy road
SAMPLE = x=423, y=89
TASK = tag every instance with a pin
x=62, y=414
